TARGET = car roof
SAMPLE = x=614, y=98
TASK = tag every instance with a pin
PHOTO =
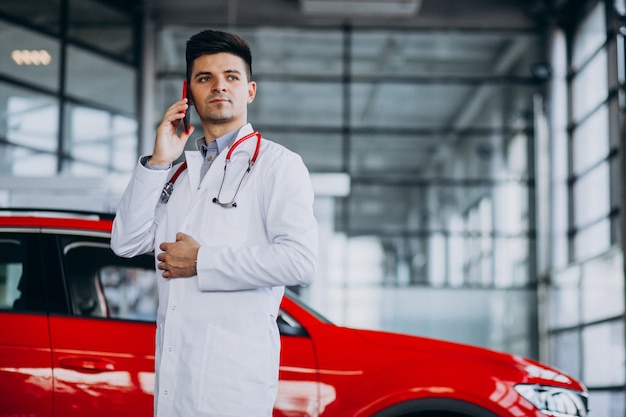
x=53, y=218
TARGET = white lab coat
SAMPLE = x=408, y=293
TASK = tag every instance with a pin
x=217, y=345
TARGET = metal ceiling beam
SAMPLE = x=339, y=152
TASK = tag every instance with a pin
x=356, y=8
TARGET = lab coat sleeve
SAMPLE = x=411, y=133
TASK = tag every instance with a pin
x=290, y=255
x=135, y=222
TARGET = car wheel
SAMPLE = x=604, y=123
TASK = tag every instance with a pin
x=435, y=407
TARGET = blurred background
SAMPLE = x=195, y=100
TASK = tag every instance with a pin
x=467, y=155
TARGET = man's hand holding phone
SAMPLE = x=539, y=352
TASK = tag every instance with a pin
x=169, y=145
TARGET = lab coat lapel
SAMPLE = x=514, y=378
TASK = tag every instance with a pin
x=194, y=164
x=216, y=171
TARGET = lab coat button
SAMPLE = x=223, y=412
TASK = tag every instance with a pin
x=165, y=392
x=169, y=349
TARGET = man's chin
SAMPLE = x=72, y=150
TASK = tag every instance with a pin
x=219, y=118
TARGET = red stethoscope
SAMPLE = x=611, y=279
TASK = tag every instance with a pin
x=169, y=187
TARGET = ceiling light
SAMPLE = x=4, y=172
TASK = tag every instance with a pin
x=32, y=57
x=355, y=8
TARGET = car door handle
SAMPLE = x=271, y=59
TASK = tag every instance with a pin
x=87, y=364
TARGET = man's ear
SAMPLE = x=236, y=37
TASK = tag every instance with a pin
x=251, y=91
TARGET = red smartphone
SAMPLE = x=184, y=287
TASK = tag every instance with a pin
x=186, y=113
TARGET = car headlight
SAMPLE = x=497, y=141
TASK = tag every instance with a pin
x=554, y=401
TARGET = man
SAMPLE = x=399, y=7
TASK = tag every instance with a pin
x=226, y=242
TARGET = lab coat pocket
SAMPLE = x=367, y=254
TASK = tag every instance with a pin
x=236, y=375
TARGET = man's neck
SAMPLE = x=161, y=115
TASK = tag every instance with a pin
x=214, y=131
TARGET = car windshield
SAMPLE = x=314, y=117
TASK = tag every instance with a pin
x=296, y=299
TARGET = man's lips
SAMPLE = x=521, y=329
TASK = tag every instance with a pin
x=219, y=100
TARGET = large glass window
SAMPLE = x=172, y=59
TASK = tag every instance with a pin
x=427, y=53
x=297, y=104
x=100, y=141
x=590, y=170
x=590, y=36
x=435, y=202
x=589, y=142
x=586, y=297
x=102, y=26
x=82, y=122
x=41, y=13
x=566, y=349
x=29, y=56
x=369, y=109
x=321, y=58
x=591, y=198
x=28, y=132
x=590, y=87
x=305, y=143
x=99, y=80
x=602, y=341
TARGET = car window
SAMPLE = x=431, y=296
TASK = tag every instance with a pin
x=296, y=299
x=130, y=292
x=101, y=284
x=11, y=268
x=21, y=287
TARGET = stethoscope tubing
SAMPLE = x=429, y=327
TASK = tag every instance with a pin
x=169, y=187
x=232, y=203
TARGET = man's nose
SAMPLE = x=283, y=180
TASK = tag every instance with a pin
x=219, y=85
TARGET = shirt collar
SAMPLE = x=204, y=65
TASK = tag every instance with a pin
x=221, y=143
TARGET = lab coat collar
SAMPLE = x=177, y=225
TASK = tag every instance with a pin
x=195, y=159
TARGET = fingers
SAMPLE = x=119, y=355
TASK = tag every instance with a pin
x=184, y=136
x=180, y=237
x=178, y=259
x=174, y=114
x=187, y=242
x=169, y=145
x=175, y=267
x=178, y=107
x=176, y=119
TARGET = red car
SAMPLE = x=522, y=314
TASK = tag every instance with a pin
x=77, y=339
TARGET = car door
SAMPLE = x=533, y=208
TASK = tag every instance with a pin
x=103, y=350
x=25, y=366
x=299, y=390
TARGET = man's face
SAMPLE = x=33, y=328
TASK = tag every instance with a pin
x=220, y=89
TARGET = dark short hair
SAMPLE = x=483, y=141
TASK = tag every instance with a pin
x=215, y=41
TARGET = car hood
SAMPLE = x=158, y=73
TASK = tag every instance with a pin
x=506, y=366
